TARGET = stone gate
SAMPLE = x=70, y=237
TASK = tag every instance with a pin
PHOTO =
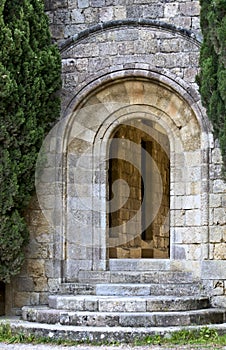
x=132, y=174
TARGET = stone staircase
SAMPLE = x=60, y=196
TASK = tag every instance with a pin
x=129, y=302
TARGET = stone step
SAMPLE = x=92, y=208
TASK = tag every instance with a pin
x=133, y=289
x=97, y=334
x=148, y=265
x=123, y=319
x=135, y=277
x=140, y=265
x=75, y=288
x=127, y=304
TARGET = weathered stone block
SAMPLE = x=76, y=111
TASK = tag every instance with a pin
x=216, y=156
x=54, y=5
x=41, y=284
x=135, y=253
x=122, y=305
x=219, y=186
x=215, y=200
x=97, y=3
x=120, y=289
x=193, y=217
x=220, y=251
x=192, y=202
x=106, y=14
x=219, y=301
x=136, y=320
x=83, y=4
x=216, y=234
x=153, y=10
x=219, y=216
x=25, y=284
x=36, y=268
x=128, y=35
x=25, y=298
x=77, y=17
x=135, y=11
x=171, y=9
x=119, y=12
x=214, y=269
x=189, y=76
x=191, y=235
x=190, y=8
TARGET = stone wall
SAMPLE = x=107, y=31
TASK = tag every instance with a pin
x=32, y=285
x=68, y=18
x=133, y=53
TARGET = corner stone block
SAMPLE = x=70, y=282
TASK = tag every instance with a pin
x=219, y=186
x=216, y=156
x=213, y=269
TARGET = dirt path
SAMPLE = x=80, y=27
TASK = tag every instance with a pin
x=4, y=346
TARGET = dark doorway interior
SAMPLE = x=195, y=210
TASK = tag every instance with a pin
x=139, y=228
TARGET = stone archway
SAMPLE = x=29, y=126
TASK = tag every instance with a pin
x=89, y=130
x=145, y=171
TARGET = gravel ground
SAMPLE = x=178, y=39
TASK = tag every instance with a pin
x=4, y=346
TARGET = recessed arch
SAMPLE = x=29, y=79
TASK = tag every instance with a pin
x=88, y=131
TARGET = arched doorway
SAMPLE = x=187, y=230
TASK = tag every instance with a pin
x=139, y=181
x=165, y=122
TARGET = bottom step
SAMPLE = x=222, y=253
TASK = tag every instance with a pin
x=97, y=334
x=123, y=319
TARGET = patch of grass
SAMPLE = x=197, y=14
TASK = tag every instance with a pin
x=203, y=336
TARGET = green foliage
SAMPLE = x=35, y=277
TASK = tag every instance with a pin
x=200, y=336
x=212, y=78
x=29, y=78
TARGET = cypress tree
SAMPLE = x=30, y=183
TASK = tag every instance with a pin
x=212, y=78
x=29, y=78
